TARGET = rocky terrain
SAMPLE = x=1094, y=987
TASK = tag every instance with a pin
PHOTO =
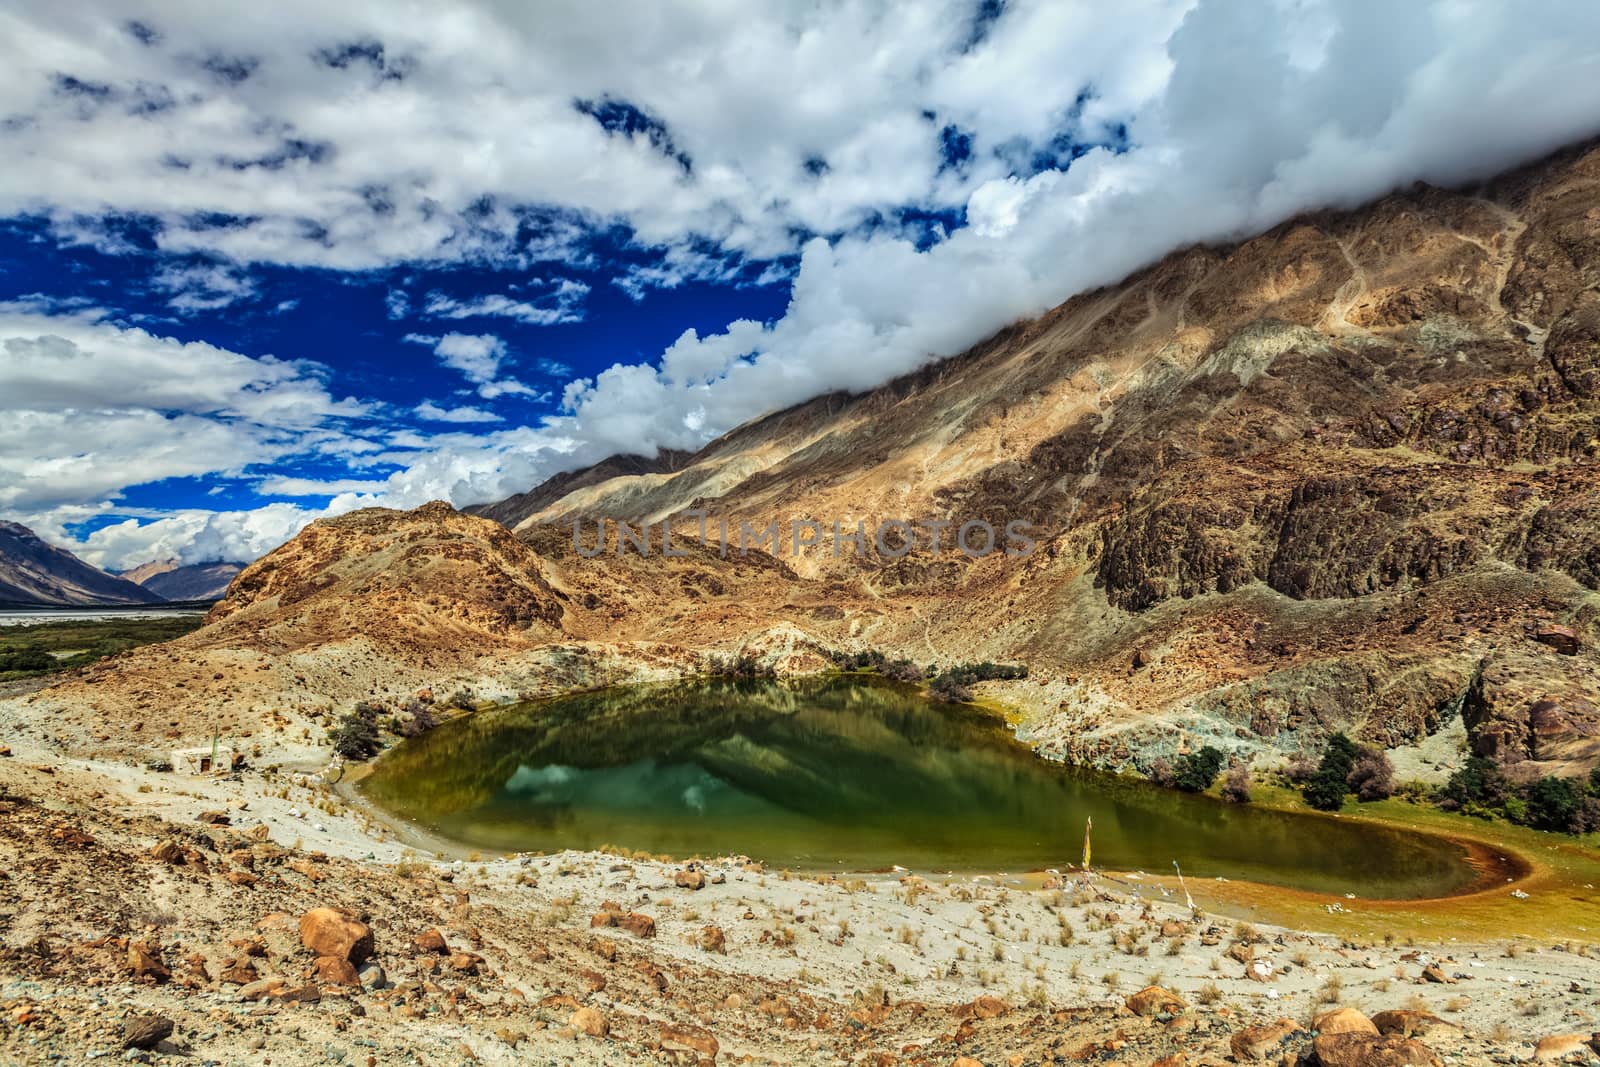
x=262, y=920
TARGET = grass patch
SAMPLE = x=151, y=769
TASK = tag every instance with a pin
x=33, y=649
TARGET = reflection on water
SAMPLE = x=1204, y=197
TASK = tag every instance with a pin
x=850, y=773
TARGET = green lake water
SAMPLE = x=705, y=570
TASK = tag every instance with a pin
x=849, y=773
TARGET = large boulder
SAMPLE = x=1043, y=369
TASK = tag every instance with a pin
x=1407, y=1022
x=1263, y=1042
x=337, y=933
x=1351, y=1049
x=1561, y=1046
x=1344, y=1021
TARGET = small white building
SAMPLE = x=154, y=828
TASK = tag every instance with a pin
x=211, y=759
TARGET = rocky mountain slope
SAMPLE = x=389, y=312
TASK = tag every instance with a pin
x=514, y=510
x=35, y=573
x=175, y=581
x=1344, y=475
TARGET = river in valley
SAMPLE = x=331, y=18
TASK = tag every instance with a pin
x=850, y=773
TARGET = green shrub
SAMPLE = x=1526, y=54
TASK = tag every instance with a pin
x=1479, y=783
x=356, y=736
x=1195, y=771
x=1552, y=804
x=1327, y=787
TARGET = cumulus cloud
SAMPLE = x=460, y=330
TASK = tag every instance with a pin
x=1057, y=147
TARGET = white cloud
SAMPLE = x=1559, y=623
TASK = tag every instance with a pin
x=562, y=303
x=281, y=485
x=476, y=356
x=205, y=286
x=434, y=413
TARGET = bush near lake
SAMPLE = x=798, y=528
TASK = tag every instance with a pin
x=953, y=684
x=1236, y=785
x=1195, y=771
x=356, y=736
x=1563, y=805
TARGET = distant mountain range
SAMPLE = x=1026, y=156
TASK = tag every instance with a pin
x=174, y=581
x=33, y=572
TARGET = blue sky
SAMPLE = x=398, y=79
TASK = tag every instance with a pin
x=259, y=265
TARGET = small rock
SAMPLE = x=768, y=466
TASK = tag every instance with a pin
x=694, y=1038
x=335, y=932
x=1432, y=973
x=689, y=879
x=1153, y=1000
x=145, y=1031
x=590, y=1022
x=712, y=939
x=332, y=970
x=433, y=941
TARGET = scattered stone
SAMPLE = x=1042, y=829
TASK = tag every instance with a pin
x=605, y=949
x=335, y=932
x=1432, y=973
x=145, y=1031
x=689, y=879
